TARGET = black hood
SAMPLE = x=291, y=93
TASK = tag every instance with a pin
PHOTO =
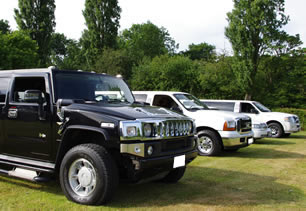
x=124, y=111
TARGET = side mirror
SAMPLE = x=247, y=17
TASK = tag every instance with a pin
x=176, y=109
x=33, y=96
x=254, y=111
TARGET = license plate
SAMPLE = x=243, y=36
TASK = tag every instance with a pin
x=250, y=141
x=179, y=161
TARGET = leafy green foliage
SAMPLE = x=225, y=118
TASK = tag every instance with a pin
x=255, y=30
x=74, y=59
x=146, y=40
x=4, y=26
x=37, y=18
x=17, y=51
x=202, y=51
x=102, y=21
x=66, y=53
x=114, y=62
x=166, y=73
x=217, y=80
x=280, y=81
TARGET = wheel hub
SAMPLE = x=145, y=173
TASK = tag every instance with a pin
x=205, y=144
x=85, y=177
x=274, y=130
x=82, y=177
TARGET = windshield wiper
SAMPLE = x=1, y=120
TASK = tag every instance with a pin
x=117, y=101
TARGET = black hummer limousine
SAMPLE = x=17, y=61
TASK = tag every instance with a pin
x=87, y=129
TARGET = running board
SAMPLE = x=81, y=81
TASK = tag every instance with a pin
x=25, y=174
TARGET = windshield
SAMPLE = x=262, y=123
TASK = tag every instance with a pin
x=91, y=87
x=261, y=107
x=190, y=102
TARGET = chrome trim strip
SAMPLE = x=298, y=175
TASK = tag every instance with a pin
x=27, y=161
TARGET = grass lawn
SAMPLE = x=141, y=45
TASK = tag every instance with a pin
x=270, y=174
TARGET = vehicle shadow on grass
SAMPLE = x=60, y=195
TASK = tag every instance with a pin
x=51, y=186
x=208, y=187
x=272, y=142
x=200, y=186
x=262, y=153
x=297, y=136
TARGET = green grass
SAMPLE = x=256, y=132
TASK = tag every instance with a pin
x=269, y=175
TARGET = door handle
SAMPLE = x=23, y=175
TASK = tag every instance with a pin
x=12, y=113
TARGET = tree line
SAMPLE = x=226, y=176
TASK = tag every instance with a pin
x=266, y=65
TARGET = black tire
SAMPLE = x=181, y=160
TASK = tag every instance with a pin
x=276, y=130
x=88, y=175
x=286, y=135
x=174, y=175
x=208, y=143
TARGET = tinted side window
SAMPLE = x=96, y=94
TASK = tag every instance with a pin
x=164, y=101
x=140, y=97
x=27, y=83
x=247, y=108
x=224, y=106
x=4, y=83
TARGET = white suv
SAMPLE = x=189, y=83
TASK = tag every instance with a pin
x=281, y=124
x=216, y=130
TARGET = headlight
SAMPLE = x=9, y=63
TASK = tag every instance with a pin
x=229, y=126
x=150, y=150
x=147, y=129
x=256, y=126
x=131, y=131
x=289, y=119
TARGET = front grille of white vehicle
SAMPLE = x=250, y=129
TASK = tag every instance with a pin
x=244, y=125
x=296, y=119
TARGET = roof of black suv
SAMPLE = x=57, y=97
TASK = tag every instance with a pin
x=43, y=70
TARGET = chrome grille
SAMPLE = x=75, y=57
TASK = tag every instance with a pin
x=244, y=125
x=161, y=128
x=173, y=128
x=296, y=119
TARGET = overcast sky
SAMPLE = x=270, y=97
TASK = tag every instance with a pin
x=192, y=21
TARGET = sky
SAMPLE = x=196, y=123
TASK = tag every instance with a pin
x=192, y=21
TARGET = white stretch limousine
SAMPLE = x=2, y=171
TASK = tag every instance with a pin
x=216, y=130
x=281, y=124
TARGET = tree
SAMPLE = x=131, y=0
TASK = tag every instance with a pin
x=4, y=27
x=18, y=51
x=74, y=58
x=202, y=51
x=255, y=30
x=114, y=62
x=102, y=21
x=36, y=17
x=59, y=48
x=146, y=40
x=280, y=81
x=166, y=73
x=217, y=81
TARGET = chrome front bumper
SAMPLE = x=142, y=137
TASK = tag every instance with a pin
x=262, y=133
x=233, y=139
x=290, y=127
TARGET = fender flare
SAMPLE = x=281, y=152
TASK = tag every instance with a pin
x=60, y=152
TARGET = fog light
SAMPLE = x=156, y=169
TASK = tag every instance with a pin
x=137, y=149
x=150, y=150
